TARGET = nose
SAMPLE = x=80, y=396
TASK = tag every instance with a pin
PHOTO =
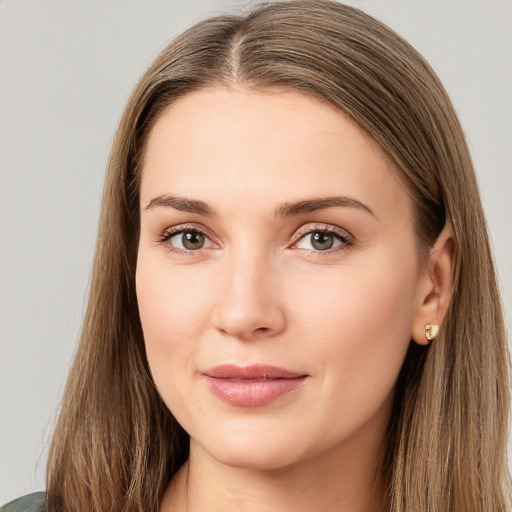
x=249, y=304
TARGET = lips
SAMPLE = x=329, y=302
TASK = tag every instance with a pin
x=251, y=386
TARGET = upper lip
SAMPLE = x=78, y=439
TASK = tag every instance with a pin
x=252, y=372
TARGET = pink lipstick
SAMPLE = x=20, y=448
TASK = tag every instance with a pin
x=251, y=386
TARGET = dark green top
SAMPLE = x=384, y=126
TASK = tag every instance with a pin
x=35, y=502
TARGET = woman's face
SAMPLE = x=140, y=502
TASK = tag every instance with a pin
x=277, y=276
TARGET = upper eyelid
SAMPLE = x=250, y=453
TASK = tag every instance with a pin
x=324, y=227
x=181, y=228
x=304, y=229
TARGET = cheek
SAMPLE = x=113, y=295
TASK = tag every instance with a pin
x=358, y=322
x=173, y=311
x=173, y=308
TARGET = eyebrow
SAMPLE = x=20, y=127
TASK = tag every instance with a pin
x=313, y=205
x=182, y=204
x=284, y=210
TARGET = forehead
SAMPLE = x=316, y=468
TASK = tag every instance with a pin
x=265, y=146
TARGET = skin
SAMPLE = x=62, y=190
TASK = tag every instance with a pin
x=259, y=291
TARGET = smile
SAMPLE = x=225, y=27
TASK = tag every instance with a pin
x=251, y=386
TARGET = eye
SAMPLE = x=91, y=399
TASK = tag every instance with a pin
x=324, y=239
x=190, y=240
x=185, y=240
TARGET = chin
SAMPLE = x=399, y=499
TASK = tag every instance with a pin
x=260, y=458
x=251, y=448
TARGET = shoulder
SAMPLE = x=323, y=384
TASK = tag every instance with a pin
x=35, y=502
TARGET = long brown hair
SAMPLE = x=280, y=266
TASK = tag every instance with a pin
x=116, y=445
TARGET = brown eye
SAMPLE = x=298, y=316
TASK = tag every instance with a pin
x=192, y=240
x=322, y=241
x=325, y=239
x=186, y=240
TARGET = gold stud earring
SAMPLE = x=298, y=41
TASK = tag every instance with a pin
x=431, y=331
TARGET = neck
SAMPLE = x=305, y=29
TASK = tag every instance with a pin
x=340, y=480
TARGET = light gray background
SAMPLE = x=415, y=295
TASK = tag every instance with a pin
x=66, y=69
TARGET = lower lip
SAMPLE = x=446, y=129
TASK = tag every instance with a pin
x=252, y=393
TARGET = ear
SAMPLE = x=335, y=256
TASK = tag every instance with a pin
x=435, y=286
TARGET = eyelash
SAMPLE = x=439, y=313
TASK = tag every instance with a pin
x=177, y=230
x=346, y=239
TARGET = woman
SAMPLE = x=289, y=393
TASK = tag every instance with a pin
x=287, y=310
